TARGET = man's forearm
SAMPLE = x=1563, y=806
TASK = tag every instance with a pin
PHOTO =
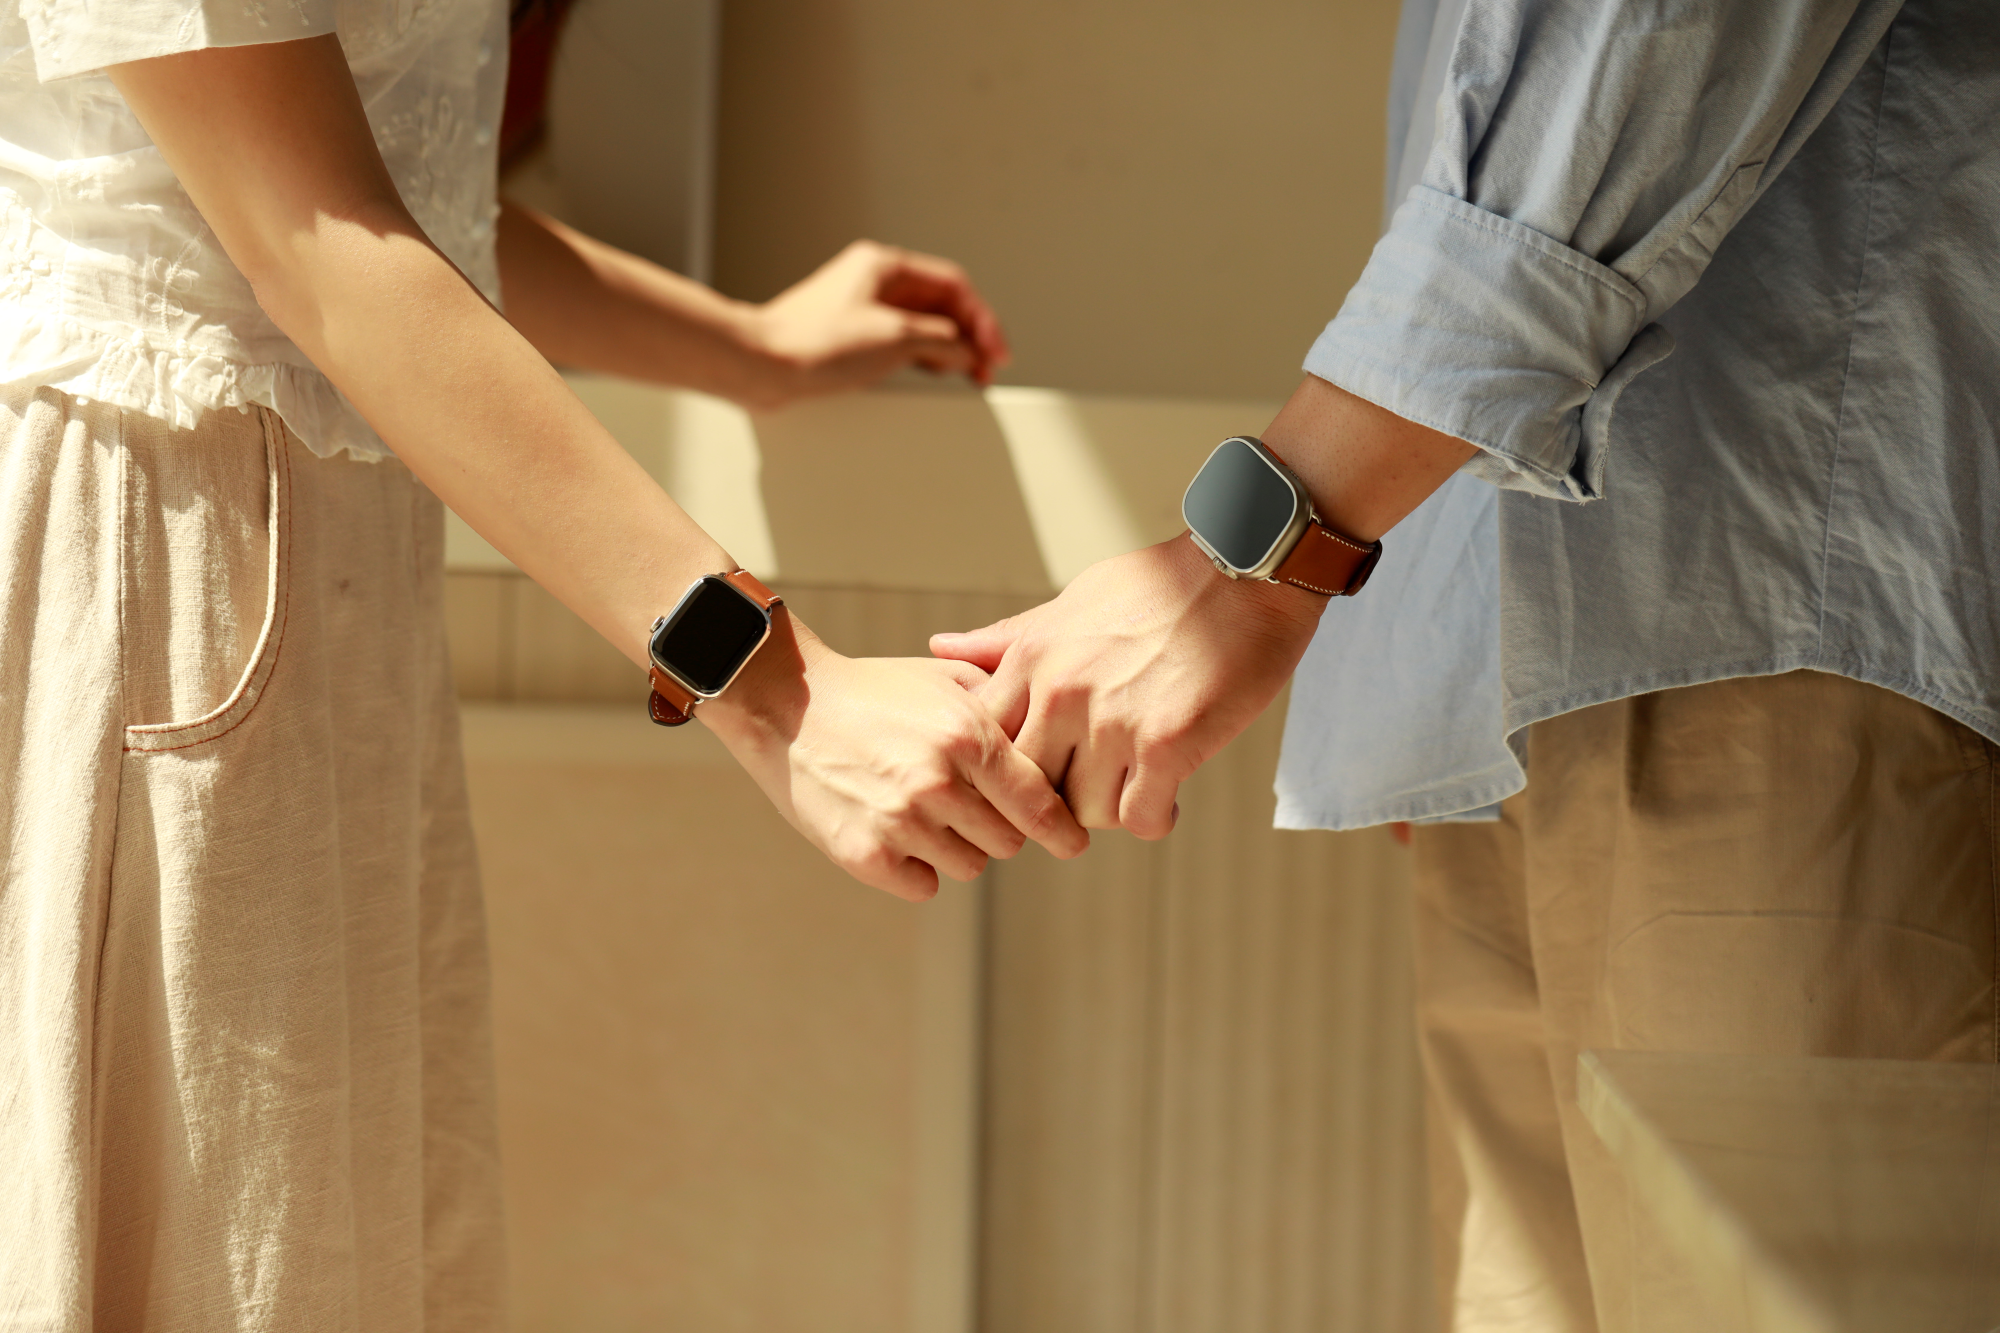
x=1366, y=467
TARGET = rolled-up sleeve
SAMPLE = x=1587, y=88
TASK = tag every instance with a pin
x=71, y=37
x=1590, y=156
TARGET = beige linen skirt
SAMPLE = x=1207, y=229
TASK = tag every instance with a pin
x=245, y=1063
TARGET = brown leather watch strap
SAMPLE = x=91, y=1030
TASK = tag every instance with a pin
x=672, y=703
x=1327, y=563
x=1324, y=561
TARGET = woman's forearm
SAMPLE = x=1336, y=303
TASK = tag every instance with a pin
x=472, y=408
x=304, y=207
x=869, y=311
x=894, y=769
x=591, y=306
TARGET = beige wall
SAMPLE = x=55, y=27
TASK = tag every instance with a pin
x=1167, y=197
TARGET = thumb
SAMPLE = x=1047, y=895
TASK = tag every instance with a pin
x=968, y=677
x=983, y=648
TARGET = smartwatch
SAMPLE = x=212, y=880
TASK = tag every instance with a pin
x=1252, y=517
x=699, y=647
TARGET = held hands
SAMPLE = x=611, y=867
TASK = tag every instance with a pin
x=1144, y=667
x=1150, y=662
x=870, y=310
x=890, y=766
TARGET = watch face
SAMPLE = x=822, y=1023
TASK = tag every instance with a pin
x=710, y=635
x=1241, y=506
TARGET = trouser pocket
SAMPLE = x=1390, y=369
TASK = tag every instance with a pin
x=205, y=579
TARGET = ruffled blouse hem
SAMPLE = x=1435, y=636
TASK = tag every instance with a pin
x=178, y=386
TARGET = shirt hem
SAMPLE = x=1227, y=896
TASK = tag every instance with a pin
x=1305, y=812
x=179, y=387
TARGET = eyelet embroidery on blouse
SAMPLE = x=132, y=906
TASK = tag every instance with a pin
x=112, y=287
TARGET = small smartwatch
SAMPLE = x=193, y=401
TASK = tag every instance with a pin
x=1253, y=518
x=699, y=647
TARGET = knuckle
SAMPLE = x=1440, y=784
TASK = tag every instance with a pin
x=1043, y=817
x=1066, y=694
x=1164, y=748
x=849, y=863
x=859, y=855
x=966, y=744
x=1099, y=817
x=933, y=788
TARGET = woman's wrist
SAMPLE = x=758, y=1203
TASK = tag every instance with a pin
x=738, y=363
x=766, y=702
x=770, y=378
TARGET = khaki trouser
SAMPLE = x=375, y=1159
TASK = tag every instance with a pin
x=245, y=1077
x=1786, y=865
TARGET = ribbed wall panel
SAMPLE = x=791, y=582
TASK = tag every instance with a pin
x=1204, y=1113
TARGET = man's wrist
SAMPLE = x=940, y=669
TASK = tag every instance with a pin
x=1281, y=609
x=1365, y=467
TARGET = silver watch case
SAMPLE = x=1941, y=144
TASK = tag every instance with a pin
x=1286, y=538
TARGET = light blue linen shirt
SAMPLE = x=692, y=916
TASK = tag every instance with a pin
x=1800, y=201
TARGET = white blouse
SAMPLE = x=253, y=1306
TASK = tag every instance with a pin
x=113, y=288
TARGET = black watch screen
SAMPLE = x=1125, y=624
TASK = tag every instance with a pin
x=710, y=635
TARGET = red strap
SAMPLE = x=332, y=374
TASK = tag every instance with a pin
x=531, y=56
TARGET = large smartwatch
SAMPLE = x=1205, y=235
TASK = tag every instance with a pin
x=1251, y=515
x=699, y=647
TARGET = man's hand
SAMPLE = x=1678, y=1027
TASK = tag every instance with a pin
x=890, y=766
x=1150, y=662
x=1145, y=666
x=870, y=310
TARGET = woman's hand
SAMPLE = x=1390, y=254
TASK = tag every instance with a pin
x=870, y=310
x=889, y=766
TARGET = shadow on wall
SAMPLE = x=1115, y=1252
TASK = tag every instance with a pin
x=1013, y=491
x=1160, y=198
